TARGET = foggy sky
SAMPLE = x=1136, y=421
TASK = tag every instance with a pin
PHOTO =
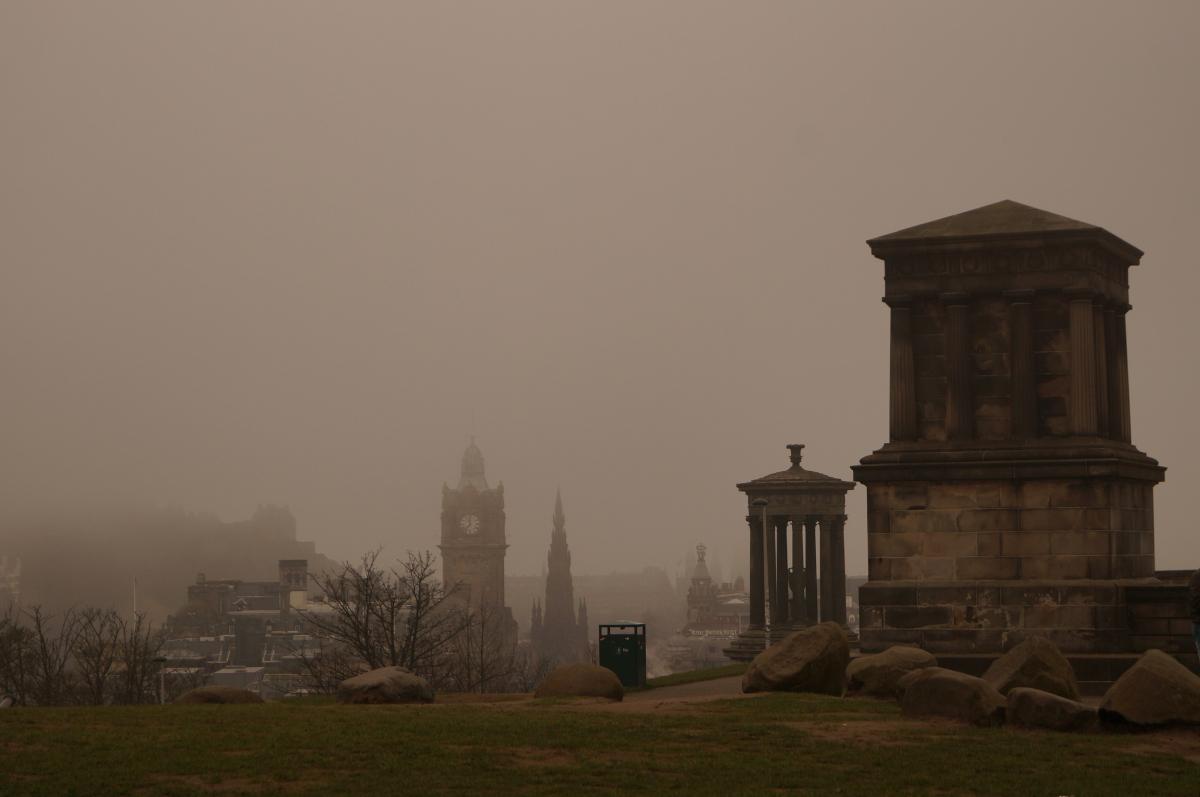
x=296, y=252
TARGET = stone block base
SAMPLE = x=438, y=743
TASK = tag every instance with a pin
x=749, y=644
x=1079, y=616
x=1014, y=530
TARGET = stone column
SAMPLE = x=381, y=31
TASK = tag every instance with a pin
x=826, y=568
x=1121, y=376
x=1114, y=383
x=810, y=569
x=1100, y=338
x=772, y=574
x=837, y=565
x=1083, y=365
x=960, y=408
x=1024, y=380
x=780, y=615
x=758, y=618
x=799, y=616
x=903, y=379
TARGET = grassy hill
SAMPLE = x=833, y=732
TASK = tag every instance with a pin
x=801, y=743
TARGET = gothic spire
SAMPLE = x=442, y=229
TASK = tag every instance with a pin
x=560, y=520
x=560, y=631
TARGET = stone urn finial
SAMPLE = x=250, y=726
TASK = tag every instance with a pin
x=795, y=451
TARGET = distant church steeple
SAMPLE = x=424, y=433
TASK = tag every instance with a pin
x=556, y=633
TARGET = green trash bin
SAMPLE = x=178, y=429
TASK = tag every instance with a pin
x=623, y=650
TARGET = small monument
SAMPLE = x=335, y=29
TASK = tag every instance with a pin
x=803, y=583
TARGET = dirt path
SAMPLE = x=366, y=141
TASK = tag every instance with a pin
x=675, y=698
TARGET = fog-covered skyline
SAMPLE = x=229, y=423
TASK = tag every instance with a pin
x=297, y=253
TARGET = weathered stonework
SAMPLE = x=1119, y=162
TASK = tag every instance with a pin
x=1009, y=499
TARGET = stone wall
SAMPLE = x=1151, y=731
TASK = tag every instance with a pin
x=987, y=617
x=1058, y=529
x=1159, y=619
x=964, y=623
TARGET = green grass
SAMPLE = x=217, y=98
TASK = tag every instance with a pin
x=799, y=743
x=693, y=676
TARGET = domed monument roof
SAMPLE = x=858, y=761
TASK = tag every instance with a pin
x=795, y=477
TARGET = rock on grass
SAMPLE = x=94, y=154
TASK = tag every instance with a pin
x=581, y=680
x=938, y=692
x=813, y=659
x=385, y=685
x=1156, y=690
x=879, y=675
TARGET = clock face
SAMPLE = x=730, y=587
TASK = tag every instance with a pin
x=469, y=524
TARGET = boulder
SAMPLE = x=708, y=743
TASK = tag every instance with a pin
x=385, y=685
x=812, y=659
x=1033, y=708
x=1156, y=690
x=879, y=675
x=218, y=694
x=938, y=692
x=1036, y=663
x=581, y=680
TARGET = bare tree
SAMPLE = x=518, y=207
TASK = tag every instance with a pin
x=432, y=620
x=483, y=655
x=90, y=655
x=16, y=657
x=324, y=664
x=52, y=643
x=529, y=668
x=386, y=617
x=138, y=644
x=95, y=653
x=180, y=682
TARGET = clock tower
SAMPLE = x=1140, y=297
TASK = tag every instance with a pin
x=473, y=542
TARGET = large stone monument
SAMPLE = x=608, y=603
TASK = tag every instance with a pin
x=556, y=632
x=1010, y=499
x=801, y=584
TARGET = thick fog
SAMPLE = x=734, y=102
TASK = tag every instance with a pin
x=298, y=252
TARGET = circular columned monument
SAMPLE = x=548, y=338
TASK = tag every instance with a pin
x=804, y=582
x=1009, y=499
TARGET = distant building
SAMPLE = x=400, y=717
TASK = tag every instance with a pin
x=255, y=626
x=716, y=614
x=473, y=539
x=80, y=555
x=555, y=631
x=10, y=580
x=645, y=595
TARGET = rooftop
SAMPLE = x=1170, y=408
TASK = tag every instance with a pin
x=796, y=476
x=998, y=220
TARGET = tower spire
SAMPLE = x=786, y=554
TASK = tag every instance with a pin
x=472, y=468
x=560, y=519
x=560, y=637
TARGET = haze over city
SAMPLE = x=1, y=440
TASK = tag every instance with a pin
x=297, y=253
